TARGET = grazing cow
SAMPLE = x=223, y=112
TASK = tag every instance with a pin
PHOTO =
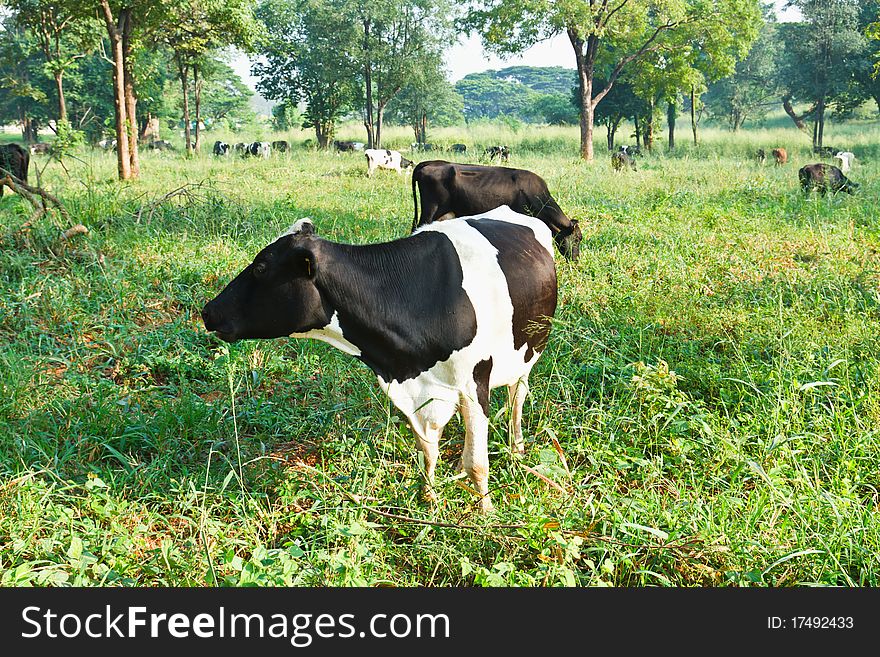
x=380, y=158
x=344, y=146
x=501, y=152
x=221, y=148
x=760, y=156
x=441, y=317
x=259, y=149
x=281, y=146
x=825, y=151
x=454, y=190
x=107, y=144
x=824, y=177
x=458, y=148
x=240, y=148
x=622, y=160
x=845, y=158
x=160, y=145
x=630, y=150
x=780, y=156
x=14, y=160
x=43, y=148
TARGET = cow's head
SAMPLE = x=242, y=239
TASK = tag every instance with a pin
x=275, y=295
x=848, y=186
x=568, y=240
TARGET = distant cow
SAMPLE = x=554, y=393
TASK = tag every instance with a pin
x=621, y=161
x=824, y=177
x=107, y=144
x=380, y=158
x=760, y=156
x=825, y=151
x=453, y=190
x=416, y=146
x=441, y=317
x=259, y=149
x=221, y=148
x=160, y=145
x=43, y=148
x=281, y=146
x=240, y=148
x=14, y=160
x=345, y=146
x=501, y=152
x=458, y=148
x=845, y=160
x=780, y=156
x=630, y=150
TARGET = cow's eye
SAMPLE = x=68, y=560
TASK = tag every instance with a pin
x=260, y=269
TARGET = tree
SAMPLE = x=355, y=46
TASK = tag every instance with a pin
x=197, y=28
x=748, y=92
x=396, y=38
x=306, y=56
x=554, y=109
x=64, y=32
x=816, y=52
x=611, y=35
x=23, y=89
x=486, y=96
x=428, y=98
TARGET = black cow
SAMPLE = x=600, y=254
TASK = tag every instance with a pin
x=760, y=156
x=458, y=148
x=161, y=145
x=344, y=146
x=621, y=160
x=441, y=317
x=501, y=152
x=221, y=148
x=44, y=148
x=455, y=190
x=824, y=177
x=825, y=151
x=15, y=160
x=281, y=146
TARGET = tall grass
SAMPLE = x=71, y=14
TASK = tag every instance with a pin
x=711, y=382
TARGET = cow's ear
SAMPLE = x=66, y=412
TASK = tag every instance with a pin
x=303, y=262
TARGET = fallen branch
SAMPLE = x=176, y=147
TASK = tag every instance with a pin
x=30, y=193
x=184, y=191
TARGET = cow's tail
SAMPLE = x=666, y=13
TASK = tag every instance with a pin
x=415, y=223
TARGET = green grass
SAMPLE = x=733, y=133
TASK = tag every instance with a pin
x=711, y=379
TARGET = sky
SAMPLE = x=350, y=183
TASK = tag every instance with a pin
x=467, y=55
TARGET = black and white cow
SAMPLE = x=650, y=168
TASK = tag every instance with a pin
x=15, y=160
x=221, y=148
x=259, y=149
x=501, y=152
x=454, y=190
x=825, y=177
x=381, y=158
x=441, y=317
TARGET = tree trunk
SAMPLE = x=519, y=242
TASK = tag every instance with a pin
x=608, y=140
x=694, y=113
x=322, y=134
x=130, y=99
x=123, y=164
x=649, y=127
x=184, y=86
x=671, y=113
x=798, y=120
x=820, y=123
x=638, y=131
x=62, y=104
x=380, y=110
x=368, y=88
x=197, y=87
x=585, y=83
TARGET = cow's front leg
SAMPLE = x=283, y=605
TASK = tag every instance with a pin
x=516, y=395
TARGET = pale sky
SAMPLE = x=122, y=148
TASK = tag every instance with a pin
x=467, y=55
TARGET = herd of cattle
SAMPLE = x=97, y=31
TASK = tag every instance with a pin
x=459, y=307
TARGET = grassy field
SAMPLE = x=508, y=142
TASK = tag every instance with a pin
x=711, y=382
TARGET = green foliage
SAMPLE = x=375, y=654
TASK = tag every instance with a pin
x=712, y=380
x=555, y=109
x=529, y=93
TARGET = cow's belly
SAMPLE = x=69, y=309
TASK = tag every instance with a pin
x=486, y=286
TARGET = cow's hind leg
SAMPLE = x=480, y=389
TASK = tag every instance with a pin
x=516, y=395
x=475, y=413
